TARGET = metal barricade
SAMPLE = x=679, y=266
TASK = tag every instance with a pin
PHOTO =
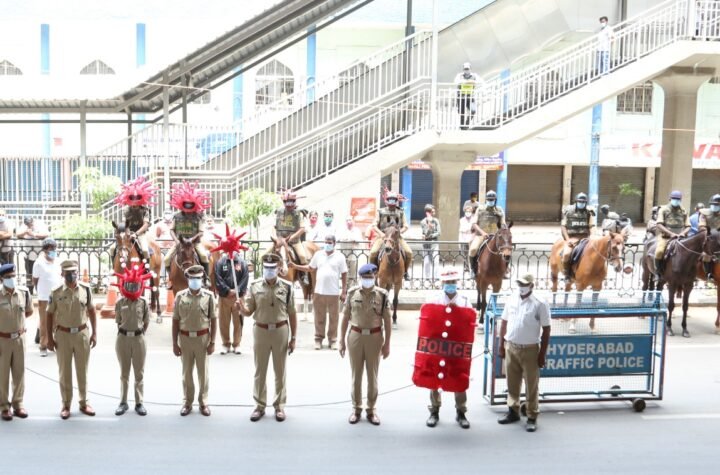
x=605, y=346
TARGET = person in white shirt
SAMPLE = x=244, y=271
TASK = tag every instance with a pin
x=32, y=232
x=312, y=230
x=525, y=331
x=465, y=232
x=605, y=37
x=348, y=238
x=327, y=228
x=449, y=297
x=46, y=276
x=330, y=269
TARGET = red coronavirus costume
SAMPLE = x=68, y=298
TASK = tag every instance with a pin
x=134, y=281
x=190, y=200
x=136, y=197
x=138, y=192
x=444, y=348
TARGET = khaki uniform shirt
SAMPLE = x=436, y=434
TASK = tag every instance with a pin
x=69, y=306
x=367, y=308
x=132, y=315
x=12, y=309
x=194, y=311
x=270, y=303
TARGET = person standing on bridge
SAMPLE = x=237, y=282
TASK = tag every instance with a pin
x=524, y=337
x=466, y=83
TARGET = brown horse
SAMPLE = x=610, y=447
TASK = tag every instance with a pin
x=185, y=256
x=282, y=249
x=127, y=249
x=679, y=274
x=392, y=267
x=492, y=263
x=712, y=248
x=591, y=268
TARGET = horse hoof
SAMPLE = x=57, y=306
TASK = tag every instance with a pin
x=670, y=332
x=480, y=329
x=394, y=326
x=686, y=333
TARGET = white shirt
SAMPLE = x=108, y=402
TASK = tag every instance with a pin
x=441, y=298
x=329, y=269
x=466, y=234
x=525, y=319
x=322, y=231
x=48, y=276
x=312, y=233
x=604, y=39
x=31, y=245
x=350, y=235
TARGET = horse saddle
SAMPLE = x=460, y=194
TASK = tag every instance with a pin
x=484, y=244
x=671, y=249
x=578, y=250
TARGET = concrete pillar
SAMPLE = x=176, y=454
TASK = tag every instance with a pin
x=567, y=185
x=680, y=85
x=447, y=169
x=649, y=193
x=483, y=185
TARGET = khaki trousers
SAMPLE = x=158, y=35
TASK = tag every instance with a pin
x=12, y=363
x=364, y=353
x=194, y=355
x=69, y=347
x=270, y=342
x=326, y=307
x=662, y=243
x=436, y=401
x=42, y=310
x=131, y=350
x=522, y=363
x=230, y=315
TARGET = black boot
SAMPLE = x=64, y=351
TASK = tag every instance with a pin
x=659, y=268
x=708, y=267
x=206, y=268
x=510, y=417
x=433, y=420
x=462, y=420
x=473, y=265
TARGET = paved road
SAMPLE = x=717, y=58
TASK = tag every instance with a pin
x=679, y=433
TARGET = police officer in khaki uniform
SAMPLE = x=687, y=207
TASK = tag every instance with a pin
x=193, y=333
x=132, y=317
x=577, y=223
x=488, y=219
x=69, y=310
x=367, y=315
x=138, y=222
x=391, y=215
x=270, y=301
x=15, y=307
x=290, y=226
x=710, y=221
x=673, y=222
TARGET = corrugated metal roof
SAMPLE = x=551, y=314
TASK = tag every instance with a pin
x=209, y=65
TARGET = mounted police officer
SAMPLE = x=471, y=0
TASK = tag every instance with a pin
x=488, y=219
x=710, y=220
x=652, y=224
x=672, y=222
x=290, y=227
x=136, y=215
x=577, y=223
x=391, y=215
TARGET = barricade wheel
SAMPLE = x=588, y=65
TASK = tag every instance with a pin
x=638, y=405
x=523, y=408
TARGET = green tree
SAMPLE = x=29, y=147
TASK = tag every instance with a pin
x=99, y=188
x=91, y=230
x=250, y=206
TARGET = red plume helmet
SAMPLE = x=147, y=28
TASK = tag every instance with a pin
x=387, y=193
x=185, y=192
x=137, y=274
x=138, y=192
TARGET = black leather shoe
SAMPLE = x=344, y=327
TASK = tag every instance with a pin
x=185, y=410
x=121, y=409
x=433, y=420
x=140, y=409
x=462, y=420
x=531, y=425
x=510, y=417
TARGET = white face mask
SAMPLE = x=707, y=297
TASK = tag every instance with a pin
x=468, y=215
x=525, y=290
x=195, y=284
x=367, y=282
x=269, y=273
x=9, y=282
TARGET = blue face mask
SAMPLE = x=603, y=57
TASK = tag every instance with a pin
x=195, y=284
x=675, y=202
x=714, y=208
x=450, y=288
x=52, y=254
x=491, y=203
x=580, y=205
x=9, y=282
x=329, y=247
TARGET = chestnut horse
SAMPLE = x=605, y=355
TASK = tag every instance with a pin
x=392, y=267
x=127, y=249
x=282, y=249
x=492, y=263
x=591, y=268
x=712, y=249
x=679, y=273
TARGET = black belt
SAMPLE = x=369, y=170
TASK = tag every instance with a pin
x=130, y=333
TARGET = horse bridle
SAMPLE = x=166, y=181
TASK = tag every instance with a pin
x=196, y=258
x=609, y=258
x=395, y=248
x=505, y=245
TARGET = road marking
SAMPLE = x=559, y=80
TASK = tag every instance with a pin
x=669, y=417
x=695, y=345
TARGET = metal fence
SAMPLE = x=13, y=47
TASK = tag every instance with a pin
x=428, y=262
